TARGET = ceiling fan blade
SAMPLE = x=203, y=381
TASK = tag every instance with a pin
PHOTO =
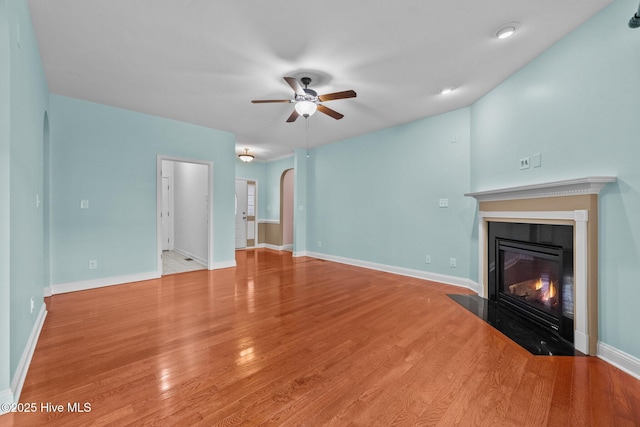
x=330, y=112
x=337, y=95
x=264, y=101
x=295, y=85
x=293, y=117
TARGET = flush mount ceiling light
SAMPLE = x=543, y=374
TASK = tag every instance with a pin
x=245, y=157
x=506, y=31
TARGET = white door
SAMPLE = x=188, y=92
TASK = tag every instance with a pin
x=166, y=216
x=241, y=213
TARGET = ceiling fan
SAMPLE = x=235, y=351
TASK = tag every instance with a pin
x=307, y=100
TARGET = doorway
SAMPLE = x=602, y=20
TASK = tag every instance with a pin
x=245, y=213
x=286, y=210
x=184, y=215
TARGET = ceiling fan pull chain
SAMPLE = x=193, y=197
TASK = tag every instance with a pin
x=307, y=133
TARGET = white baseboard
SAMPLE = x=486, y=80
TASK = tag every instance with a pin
x=274, y=247
x=619, y=359
x=297, y=254
x=223, y=264
x=6, y=397
x=23, y=366
x=100, y=283
x=47, y=291
x=192, y=256
x=419, y=274
x=288, y=248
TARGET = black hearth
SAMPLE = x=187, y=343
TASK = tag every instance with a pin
x=531, y=274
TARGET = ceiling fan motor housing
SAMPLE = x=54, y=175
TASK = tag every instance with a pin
x=311, y=95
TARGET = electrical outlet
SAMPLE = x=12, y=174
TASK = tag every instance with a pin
x=443, y=203
x=32, y=305
x=84, y=204
x=319, y=243
x=524, y=162
x=427, y=259
x=93, y=264
x=452, y=262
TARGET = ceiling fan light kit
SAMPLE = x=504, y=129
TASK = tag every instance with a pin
x=246, y=157
x=307, y=101
x=306, y=108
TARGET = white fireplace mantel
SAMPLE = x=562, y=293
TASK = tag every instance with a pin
x=584, y=338
x=571, y=187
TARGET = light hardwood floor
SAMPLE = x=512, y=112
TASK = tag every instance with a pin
x=300, y=341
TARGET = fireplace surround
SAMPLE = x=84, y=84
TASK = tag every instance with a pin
x=572, y=203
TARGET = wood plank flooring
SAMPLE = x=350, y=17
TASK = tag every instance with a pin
x=282, y=341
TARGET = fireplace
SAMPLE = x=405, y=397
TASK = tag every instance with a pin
x=573, y=203
x=531, y=274
x=536, y=283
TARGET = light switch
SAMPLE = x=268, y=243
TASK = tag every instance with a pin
x=536, y=160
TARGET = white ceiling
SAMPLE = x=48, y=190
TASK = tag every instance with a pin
x=203, y=61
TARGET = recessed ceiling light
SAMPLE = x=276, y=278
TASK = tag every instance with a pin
x=506, y=31
x=446, y=90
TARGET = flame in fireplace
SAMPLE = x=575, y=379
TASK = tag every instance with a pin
x=547, y=288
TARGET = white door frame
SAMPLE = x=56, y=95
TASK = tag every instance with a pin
x=256, y=202
x=241, y=204
x=167, y=220
x=209, y=165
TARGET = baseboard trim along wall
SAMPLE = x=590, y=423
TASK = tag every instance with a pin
x=223, y=264
x=270, y=246
x=23, y=366
x=418, y=274
x=6, y=397
x=621, y=360
x=83, y=285
x=192, y=256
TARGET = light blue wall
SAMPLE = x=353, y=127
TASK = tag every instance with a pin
x=28, y=103
x=376, y=197
x=5, y=194
x=300, y=206
x=578, y=104
x=108, y=156
x=273, y=175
